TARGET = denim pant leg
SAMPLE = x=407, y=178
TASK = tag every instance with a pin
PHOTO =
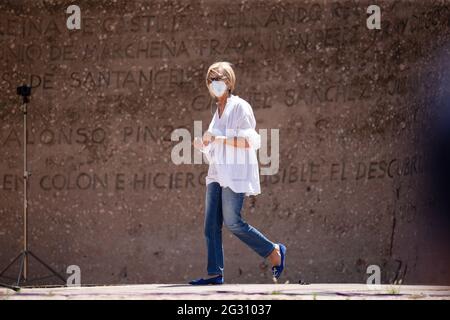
x=231, y=209
x=213, y=228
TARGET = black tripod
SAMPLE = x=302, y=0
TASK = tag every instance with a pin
x=25, y=92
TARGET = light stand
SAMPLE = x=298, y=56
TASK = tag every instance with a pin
x=25, y=91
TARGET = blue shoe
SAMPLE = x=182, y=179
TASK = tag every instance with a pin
x=277, y=270
x=215, y=280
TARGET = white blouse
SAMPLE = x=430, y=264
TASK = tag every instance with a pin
x=234, y=167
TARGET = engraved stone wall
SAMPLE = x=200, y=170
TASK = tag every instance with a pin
x=352, y=106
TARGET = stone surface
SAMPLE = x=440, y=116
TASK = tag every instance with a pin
x=352, y=107
x=240, y=291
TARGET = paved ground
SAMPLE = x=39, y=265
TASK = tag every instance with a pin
x=233, y=291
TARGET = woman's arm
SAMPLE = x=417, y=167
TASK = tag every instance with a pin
x=245, y=135
x=238, y=142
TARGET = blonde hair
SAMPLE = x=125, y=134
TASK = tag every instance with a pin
x=224, y=70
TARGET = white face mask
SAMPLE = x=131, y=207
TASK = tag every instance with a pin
x=218, y=88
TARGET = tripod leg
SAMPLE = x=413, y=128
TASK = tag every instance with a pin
x=9, y=287
x=9, y=265
x=22, y=262
x=48, y=267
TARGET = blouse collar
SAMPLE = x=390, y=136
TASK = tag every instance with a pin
x=225, y=108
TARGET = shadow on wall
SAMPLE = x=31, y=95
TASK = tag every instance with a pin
x=439, y=146
x=438, y=149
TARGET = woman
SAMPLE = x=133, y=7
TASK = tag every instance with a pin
x=230, y=145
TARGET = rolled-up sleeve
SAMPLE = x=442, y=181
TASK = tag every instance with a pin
x=246, y=125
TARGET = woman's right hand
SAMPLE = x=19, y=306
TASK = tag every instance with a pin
x=207, y=138
x=198, y=143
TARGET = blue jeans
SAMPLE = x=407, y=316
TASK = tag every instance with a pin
x=223, y=205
